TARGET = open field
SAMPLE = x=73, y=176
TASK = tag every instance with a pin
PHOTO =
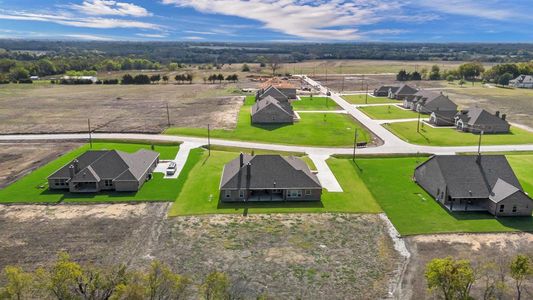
x=201, y=192
x=451, y=137
x=313, y=129
x=285, y=256
x=33, y=187
x=413, y=211
x=388, y=112
x=315, y=103
x=481, y=249
x=364, y=99
x=516, y=103
x=117, y=108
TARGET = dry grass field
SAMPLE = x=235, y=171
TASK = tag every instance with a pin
x=43, y=108
x=317, y=256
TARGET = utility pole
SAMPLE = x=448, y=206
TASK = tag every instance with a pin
x=342, y=83
x=90, y=135
x=418, y=123
x=354, y=144
x=326, y=74
x=366, y=94
x=209, y=140
x=362, y=79
x=168, y=116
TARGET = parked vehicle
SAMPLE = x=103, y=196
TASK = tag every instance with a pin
x=171, y=169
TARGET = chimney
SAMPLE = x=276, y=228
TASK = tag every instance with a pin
x=497, y=113
x=71, y=171
x=504, y=116
x=248, y=172
x=76, y=164
x=241, y=160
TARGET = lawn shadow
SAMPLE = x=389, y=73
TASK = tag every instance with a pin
x=424, y=137
x=271, y=127
x=517, y=223
x=269, y=205
x=66, y=195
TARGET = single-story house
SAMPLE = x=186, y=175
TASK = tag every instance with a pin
x=35, y=77
x=384, y=90
x=283, y=85
x=477, y=119
x=474, y=182
x=271, y=92
x=93, y=79
x=427, y=102
x=443, y=117
x=261, y=178
x=271, y=111
x=522, y=81
x=402, y=92
x=105, y=170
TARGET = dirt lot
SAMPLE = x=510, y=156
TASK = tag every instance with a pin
x=318, y=256
x=40, y=108
x=359, y=82
x=17, y=159
x=479, y=248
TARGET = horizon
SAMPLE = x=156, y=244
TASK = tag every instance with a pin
x=268, y=21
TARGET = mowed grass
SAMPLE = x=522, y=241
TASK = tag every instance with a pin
x=200, y=194
x=363, y=99
x=451, y=137
x=388, y=112
x=413, y=211
x=315, y=103
x=313, y=129
x=33, y=188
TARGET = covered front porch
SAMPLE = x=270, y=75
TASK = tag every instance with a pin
x=473, y=204
x=84, y=187
x=265, y=195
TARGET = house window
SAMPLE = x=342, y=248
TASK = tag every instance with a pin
x=294, y=193
x=514, y=208
x=308, y=192
x=502, y=207
x=108, y=183
x=241, y=194
x=227, y=194
x=276, y=191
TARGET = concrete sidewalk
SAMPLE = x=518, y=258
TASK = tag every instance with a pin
x=325, y=176
x=180, y=160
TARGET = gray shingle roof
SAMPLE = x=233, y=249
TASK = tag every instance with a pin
x=268, y=172
x=283, y=107
x=386, y=88
x=479, y=117
x=274, y=93
x=109, y=164
x=405, y=89
x=502, y=190
x=466, y=178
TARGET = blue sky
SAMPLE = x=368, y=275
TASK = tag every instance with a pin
x=270, y=20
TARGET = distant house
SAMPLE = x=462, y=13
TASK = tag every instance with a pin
x=271, y=111
x=105, y=170
x=474, y=183
x=522, y=81
x=476, y=120
x=94, y=79
x=264, y=178
x=283, y=85
x=403, y=91
x=383, y=91
x=443, y=117
x=427, y=102
x=35, y=77
x=271, y=92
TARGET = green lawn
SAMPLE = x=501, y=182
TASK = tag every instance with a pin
x=200, y=193
x=451, y=137
x=388, y=112
x=363, y=99
x=315, y=103
x=413, y=211
x=314, y=129
x=33, y=187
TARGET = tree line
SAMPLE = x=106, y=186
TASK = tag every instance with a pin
x=67, y=279
x=453, y=279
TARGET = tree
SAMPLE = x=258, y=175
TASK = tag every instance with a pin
x=189, y=77
x=471, y=70
x=521, y=269
x=402, y=76
x=162, y=283
x=435, y=73
x=141, y=79
x=220, y=77
x=98, y=284
x=18, y=73
x=127, y=79
x=216, y=286
x=173, y=67
x=155, y=78
x=18, y=284
x=492, y=277
x=274, y=63
x=504, y=79
x=245, y=68
x=62, y=279
x=165, y=78
x=415, y=76
x=462, y=82
x=450, y=78
x=452, y=278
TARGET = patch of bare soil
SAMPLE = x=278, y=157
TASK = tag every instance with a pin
x=115, y=108
x=17, y=159
x=480, y=249
x=359, y=82
x=315, y=256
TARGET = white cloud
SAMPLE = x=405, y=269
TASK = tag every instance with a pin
x=194, y=38
x=200, y=32
x=108, y=7
x=488, y=9
x=76, y=21
x=88, y=37
x=152, y=35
